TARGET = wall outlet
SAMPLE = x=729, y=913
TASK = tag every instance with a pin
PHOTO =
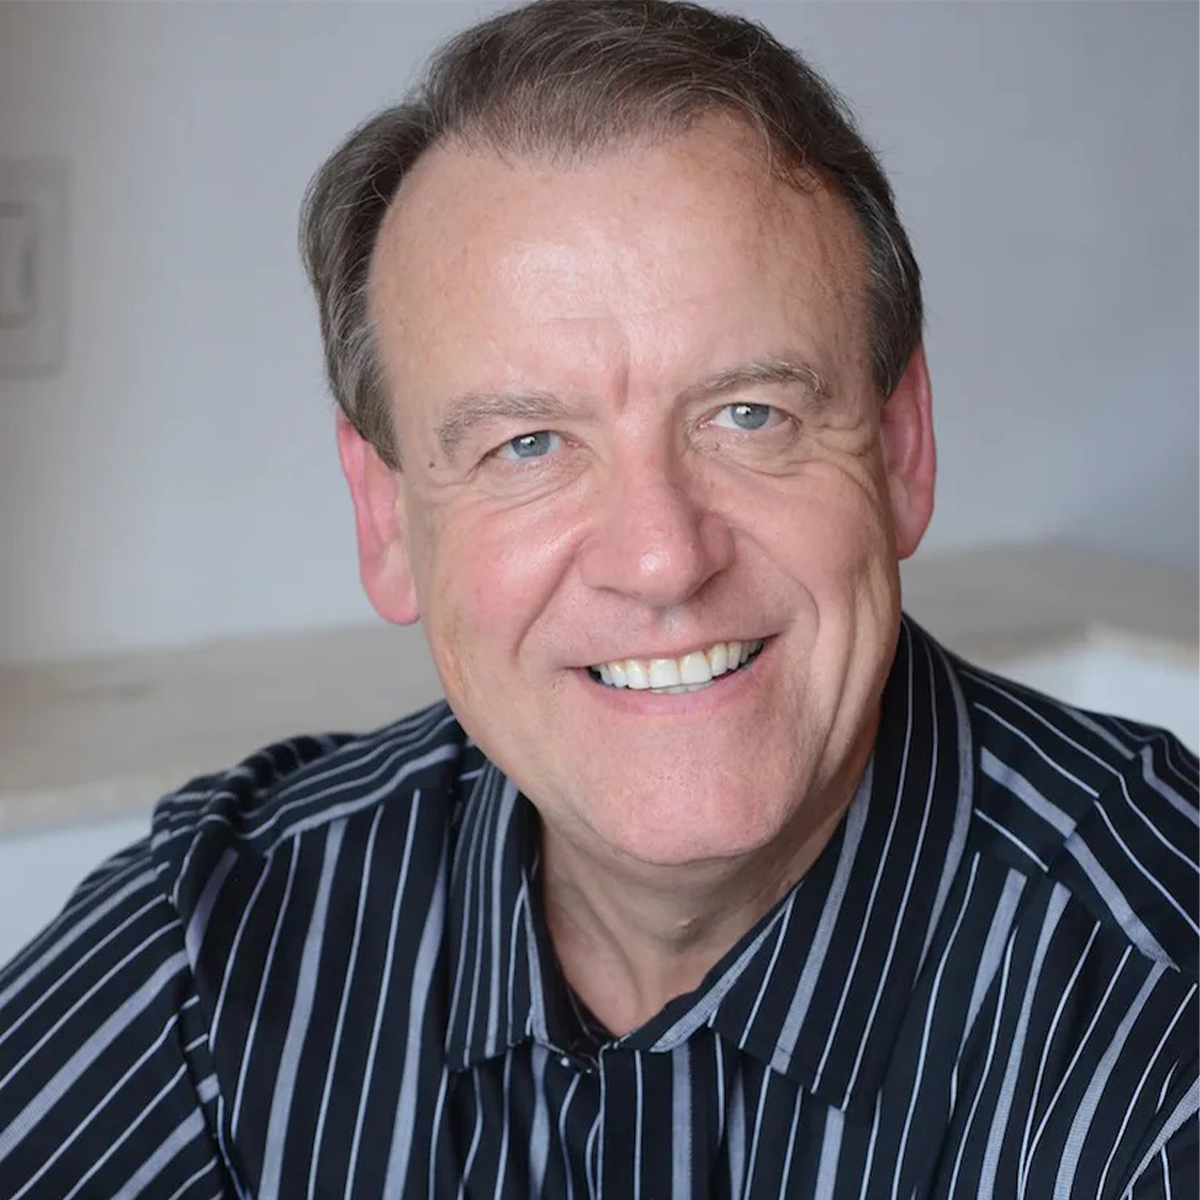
x=33, y=265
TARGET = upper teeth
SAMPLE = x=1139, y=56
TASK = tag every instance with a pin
x=691, y=670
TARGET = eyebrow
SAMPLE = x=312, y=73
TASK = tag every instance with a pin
x=772, y=369
x=473, y=409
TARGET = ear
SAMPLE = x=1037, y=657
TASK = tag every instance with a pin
x=909, y=453
x=379, y=521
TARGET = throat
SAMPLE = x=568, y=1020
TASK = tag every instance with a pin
x=628, y=948
x=619, y=990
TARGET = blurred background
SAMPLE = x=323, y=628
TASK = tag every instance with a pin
x=167, y=471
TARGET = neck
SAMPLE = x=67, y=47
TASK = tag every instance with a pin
x=630, y=938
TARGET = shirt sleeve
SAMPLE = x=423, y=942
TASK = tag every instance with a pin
x=1173, y=1171
x=106, y=1088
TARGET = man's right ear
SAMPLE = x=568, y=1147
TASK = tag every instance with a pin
x=379, y=521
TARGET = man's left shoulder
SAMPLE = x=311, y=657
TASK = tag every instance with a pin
x=1103, y=806
x=1083, y=832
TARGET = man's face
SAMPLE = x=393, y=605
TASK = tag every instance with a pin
x=637, y=423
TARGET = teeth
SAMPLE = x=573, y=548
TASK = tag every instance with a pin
x=694, y=668
x=686, y=674
x=664, y=672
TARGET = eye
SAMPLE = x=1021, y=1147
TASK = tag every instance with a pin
x=537, y=444
x=748, y=417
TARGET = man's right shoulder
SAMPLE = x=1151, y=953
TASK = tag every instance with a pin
x=136, y=1009
x=298, y=789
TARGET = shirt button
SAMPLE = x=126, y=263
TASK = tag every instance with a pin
x=564, y=1061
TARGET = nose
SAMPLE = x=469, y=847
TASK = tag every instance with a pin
x=658, y=540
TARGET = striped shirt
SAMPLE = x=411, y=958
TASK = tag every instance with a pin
x=327, y=974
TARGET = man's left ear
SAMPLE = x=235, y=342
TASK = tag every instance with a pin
x=909, y=453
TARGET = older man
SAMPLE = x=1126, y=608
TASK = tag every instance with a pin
x=715, y=876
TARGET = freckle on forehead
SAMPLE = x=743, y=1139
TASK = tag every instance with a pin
x=604, y=323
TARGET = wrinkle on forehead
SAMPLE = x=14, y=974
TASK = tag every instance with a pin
x=452, y=177
x=503, y=255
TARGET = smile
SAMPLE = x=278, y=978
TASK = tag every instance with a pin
x=669, y=676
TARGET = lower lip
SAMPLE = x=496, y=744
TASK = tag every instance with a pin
x=725, y=689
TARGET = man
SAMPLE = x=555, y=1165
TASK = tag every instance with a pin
x=716, y=877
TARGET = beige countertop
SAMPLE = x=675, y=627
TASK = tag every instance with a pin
x=996, y=602
x=109, y=736
x=82, y=740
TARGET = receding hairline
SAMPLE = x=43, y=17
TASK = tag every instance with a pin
x=760, y=163
x=759, y=153
x=561, y=81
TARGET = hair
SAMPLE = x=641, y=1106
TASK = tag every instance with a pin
x=563, y=81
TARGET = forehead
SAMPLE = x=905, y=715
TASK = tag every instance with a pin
x=487, y=264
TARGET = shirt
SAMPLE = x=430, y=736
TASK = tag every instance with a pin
x=326, y=973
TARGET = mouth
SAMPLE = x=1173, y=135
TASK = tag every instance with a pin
x=691, y=672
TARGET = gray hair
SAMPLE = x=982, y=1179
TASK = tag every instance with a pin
x=562, y=80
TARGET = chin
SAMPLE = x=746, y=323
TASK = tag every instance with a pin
x=686, y=834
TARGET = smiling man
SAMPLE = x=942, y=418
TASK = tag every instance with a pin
x=714, y=876
x=639, y=442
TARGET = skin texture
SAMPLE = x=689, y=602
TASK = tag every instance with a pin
x=611, y=306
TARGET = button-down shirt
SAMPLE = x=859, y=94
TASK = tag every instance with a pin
x=327, y=973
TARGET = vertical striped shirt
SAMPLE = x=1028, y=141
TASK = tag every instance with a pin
x=326, y=973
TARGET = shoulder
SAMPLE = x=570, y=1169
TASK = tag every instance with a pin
x=1103, y=807
x=176, y=955
x=299, y=792
x=1085, y=827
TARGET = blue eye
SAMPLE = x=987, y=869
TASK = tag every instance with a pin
x=745, y=416
x=530, y=445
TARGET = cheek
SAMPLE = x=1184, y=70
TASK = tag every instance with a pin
x=490, y=580
x=832, y=528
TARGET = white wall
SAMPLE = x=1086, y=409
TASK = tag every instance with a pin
x=177, y=479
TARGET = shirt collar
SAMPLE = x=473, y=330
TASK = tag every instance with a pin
x=505, y=983
x=817, y=990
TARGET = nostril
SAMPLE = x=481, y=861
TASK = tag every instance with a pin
x=656, y=541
